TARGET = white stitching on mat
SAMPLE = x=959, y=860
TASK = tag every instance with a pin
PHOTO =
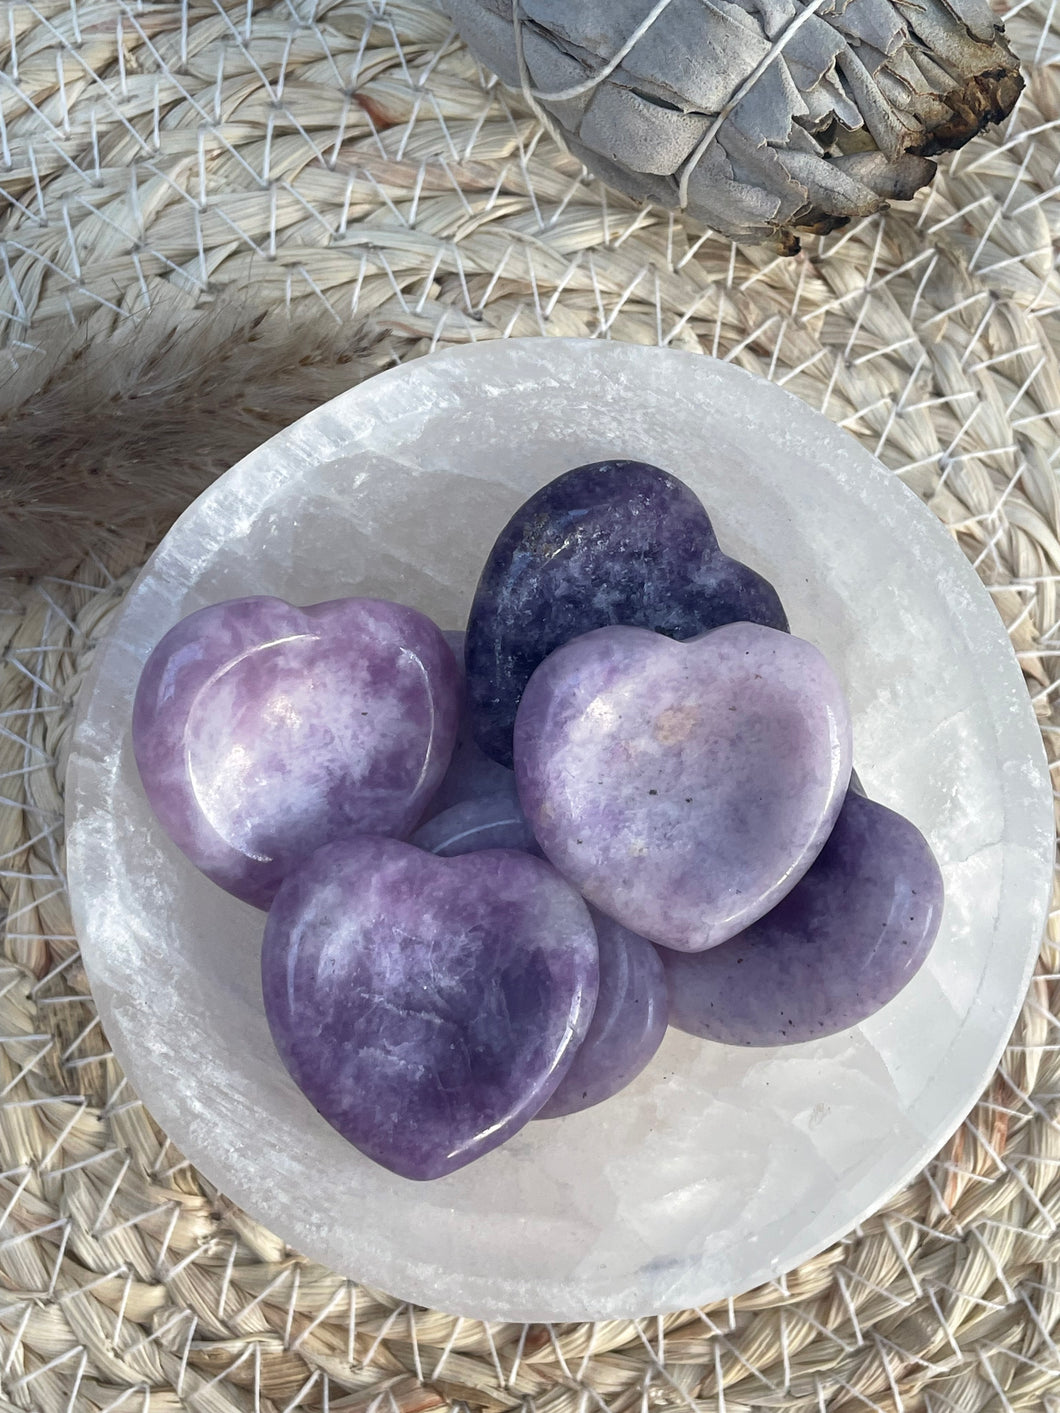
x=884, y=325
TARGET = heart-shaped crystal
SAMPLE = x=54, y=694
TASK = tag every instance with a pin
x=843, y=943
x=614, y=542
x=427, y=1007
x=485, y=822
x=627, y=1026
x=263, y=731
x=683, y=788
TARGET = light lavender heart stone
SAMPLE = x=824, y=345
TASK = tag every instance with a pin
x=427, y=1007
x=843, y=943
x=262, y=731
x=683, y=788
x=631, y=1009
x=627, y=1026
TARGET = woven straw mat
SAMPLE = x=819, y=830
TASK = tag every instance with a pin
x=353, y=162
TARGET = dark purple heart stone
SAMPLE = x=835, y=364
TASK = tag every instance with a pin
x=262, y=731
x=841, y=944
x=427, y=1007
x=615, y=542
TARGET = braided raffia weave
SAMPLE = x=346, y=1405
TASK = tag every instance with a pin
x=354, y=162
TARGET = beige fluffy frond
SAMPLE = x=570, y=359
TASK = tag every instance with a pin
x=110, y=431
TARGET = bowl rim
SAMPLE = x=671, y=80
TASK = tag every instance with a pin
x=425, y=1284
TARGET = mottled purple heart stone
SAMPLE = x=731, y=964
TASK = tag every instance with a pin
x=627, y=1026
x=629, y=1021
x=427, y=1007
x=614, y=542
x=684, y=788
x=262, y=731
x=843, y=943
x=485, y=822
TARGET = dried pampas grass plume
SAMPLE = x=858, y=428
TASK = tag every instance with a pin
x=107, y=432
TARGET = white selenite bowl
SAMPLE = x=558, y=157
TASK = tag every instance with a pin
x=718, y=1168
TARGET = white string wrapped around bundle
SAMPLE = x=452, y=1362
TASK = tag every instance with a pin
x=756, y=117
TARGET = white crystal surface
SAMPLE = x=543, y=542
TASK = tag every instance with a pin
x=718, y=1167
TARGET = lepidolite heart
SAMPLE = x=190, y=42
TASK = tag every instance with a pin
x=627, y=1026
x=262, y=731
x=684, y=788
x=843, y=943
x=484, y=822
x=427, y=1007
x=614, y=542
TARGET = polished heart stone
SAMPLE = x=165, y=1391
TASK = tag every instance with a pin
x=487, y=822
x=843, y=943
x=627, y=1026
x=427, y=1007
x=683, y=788
x=262, y=731
x=615, y=542
x=629, y=1021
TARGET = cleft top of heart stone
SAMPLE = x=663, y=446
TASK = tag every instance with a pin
x=684, y=788
x=613, y=542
